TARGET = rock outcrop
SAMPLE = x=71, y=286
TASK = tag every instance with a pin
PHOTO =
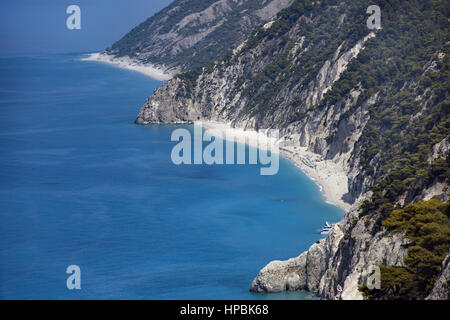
x=334, y=267
x=282, y=275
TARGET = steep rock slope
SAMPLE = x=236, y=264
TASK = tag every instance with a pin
x=189, y=33
x=441, y=288
x=376, y=103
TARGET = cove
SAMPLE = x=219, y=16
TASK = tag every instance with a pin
x=81, y=184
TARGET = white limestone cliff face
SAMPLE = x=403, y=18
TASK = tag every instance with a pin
x=440, y=150
x=218, y=95
x=336, y=266
x=441, y=289
x=280, y=276
x=438, y=189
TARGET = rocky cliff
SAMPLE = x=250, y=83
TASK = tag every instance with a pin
x=189, y=33
x=335, y=267
x=441, y=290
x=374, y=102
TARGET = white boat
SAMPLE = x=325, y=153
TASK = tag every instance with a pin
x=326, y=228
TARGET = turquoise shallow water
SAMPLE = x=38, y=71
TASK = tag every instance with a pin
x=81, y=184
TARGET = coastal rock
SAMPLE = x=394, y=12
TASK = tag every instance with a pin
x=164, y=108
x=281, y=276
x=315, y=265
x=357, y=251
x=301, y=273
x=336, y=266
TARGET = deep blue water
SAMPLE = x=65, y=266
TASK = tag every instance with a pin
x=81, y=184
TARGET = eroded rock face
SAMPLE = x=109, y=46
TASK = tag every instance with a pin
x=356, y=252
x=440, y=150
x=336, y=266
x=189, y=33
x=282, y=275
x=304, y=271
x=218, y=95
x=441, y=289
x=164, y=107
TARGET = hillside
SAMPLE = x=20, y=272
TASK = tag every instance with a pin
x=189, y=33
x=375, y=103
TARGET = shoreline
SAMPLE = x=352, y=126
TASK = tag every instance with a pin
x=149, y=70
x=327, y=175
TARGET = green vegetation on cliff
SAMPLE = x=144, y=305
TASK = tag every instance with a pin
x=190, y=33
x=427, y=225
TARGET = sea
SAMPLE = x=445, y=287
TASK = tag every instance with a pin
x=82, y=185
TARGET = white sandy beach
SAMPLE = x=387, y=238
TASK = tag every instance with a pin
x=127, y=63
x=252, y=138
x=329, y=176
